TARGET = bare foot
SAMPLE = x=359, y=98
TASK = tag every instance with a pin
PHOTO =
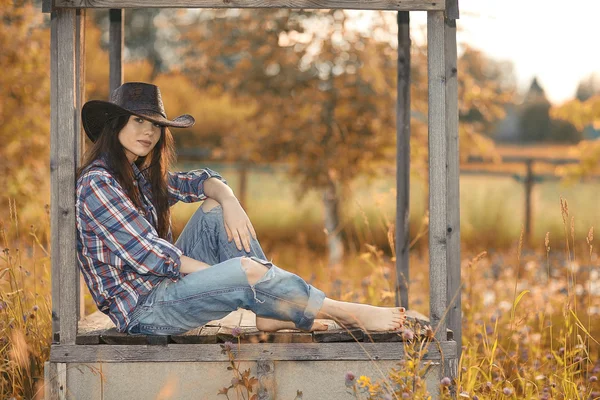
x=274, y=325
x=366, y=317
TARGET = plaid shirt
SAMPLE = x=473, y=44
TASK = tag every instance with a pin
x=120, y=253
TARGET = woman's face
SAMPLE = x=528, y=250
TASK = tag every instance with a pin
x=138, y=137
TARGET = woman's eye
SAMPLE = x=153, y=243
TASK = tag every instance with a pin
x=138, y=119
x=157, y=125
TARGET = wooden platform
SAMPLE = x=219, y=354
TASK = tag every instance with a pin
x=97, y=328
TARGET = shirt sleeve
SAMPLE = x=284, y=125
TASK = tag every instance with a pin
x=118, y=224
x=189, y=186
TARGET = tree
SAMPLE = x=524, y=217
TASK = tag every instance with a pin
x=588, y=87
x=324, y=94
x=25, y=107
x=319, y=96
x=582, y=114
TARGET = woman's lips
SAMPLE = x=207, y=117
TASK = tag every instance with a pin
x=145, y=142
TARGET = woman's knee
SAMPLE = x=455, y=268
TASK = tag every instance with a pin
x=254, y=270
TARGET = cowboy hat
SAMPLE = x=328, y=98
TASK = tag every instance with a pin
x=135, y=98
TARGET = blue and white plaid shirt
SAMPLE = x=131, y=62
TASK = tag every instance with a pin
x=120, y=253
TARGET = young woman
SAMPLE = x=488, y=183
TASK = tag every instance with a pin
x=147, y=284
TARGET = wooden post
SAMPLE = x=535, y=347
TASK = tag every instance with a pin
x=79, y=135
x=453, y=190
x=63, y=155
x=403, y=160
x=116, y=43
x=437, y=172
x=528, y=189
x=54, y=192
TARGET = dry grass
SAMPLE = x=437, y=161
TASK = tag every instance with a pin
x=531, y=320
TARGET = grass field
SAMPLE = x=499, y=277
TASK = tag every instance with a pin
x=531, y=317
x=492, y=209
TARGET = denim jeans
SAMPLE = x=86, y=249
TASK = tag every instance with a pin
x=173, y=308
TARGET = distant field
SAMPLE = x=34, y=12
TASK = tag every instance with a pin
x=492, y=209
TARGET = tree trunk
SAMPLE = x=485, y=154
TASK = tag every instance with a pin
x=335, y=246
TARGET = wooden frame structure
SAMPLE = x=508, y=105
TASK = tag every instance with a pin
x=67, y=82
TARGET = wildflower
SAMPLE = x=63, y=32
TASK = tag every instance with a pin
x=406, y=395
x=350, y=378
x=227, y=346
x=235, y=381
x=475, y=397
x=593, y=378
x=364, y=381
x=35, y=308
x=507, y=391
x=2, y=305
x=408, y=335
x=445, y=381
x=429, y=332
x=577, y=359
x=236, y=332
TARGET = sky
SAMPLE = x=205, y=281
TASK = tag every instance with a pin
x=556, y=40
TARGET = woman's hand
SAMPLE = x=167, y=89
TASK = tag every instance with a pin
x=237, y=224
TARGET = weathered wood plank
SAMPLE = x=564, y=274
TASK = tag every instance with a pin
x=116, y=43
x=79, y=133
x=403, y=161
x=404, y=5
x=64, y=154
x=338, y=335
x=437, y=171
x=453, y=190
x=202, y=335
x=266, y=380
x=51, y=384
x=246, y=352
x=113, y=337
x=452, y=11
x=382, y=337
x=61, y=379
x=54, y=192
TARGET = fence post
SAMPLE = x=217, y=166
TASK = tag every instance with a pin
x=528, y=188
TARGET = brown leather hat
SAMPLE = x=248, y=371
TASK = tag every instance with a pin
x=136, y=98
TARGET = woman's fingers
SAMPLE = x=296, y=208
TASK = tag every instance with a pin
x=251, y=229
x=229, y=234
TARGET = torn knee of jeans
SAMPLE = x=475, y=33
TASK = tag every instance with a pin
x=255, y=272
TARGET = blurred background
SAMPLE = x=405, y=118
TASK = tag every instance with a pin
x=296, y=109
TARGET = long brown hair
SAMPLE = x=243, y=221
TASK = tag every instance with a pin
x=154, y=166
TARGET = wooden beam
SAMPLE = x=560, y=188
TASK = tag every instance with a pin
x=401, y=5
x=246, y=352
x=453, y=182
x=79, y=133
x=64, y=153
x=437, y=172
x=54, y=192
x=116, y=43
x=403, y=160
x=46, y=6
x=452, y=9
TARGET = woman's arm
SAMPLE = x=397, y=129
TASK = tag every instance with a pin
x=189, y=265
x=237, y=224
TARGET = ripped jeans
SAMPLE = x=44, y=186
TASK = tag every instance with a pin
x=173, y=308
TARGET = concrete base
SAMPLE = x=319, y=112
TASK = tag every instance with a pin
x=202, y=380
